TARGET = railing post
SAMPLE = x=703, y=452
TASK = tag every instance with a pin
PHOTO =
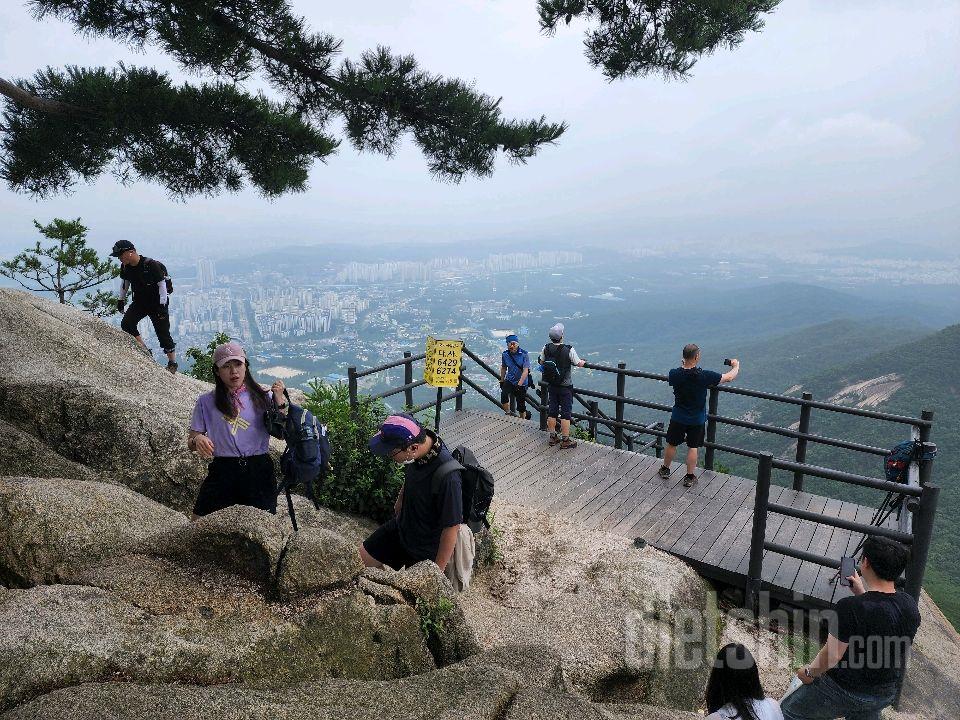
x=925, y=465
x=803, y=428
x=542, y=393
x=922, y=533
x=758, y=537
x=352, y=385
x=594, y=411
x=658, y=445
x=436, y=413
x=458, y=403
x=621, y=391
x=408, y=378
x=712, y=407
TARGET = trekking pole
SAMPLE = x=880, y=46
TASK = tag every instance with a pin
x=293, y=515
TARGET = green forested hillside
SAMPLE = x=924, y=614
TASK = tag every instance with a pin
x=925, y=375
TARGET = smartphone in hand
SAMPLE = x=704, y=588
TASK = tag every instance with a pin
x=848, y=566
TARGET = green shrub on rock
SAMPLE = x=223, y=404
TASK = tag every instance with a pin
x=360, y=482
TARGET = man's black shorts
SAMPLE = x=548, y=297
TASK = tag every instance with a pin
x=560, y=402
x=678, y=432
x=237, y=481
x=384, y=545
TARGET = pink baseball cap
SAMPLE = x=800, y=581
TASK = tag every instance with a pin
x=228, y=351
x=397, y=431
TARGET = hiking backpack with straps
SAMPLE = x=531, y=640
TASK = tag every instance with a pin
x=477, y=486
x=555, y=364
x=162, y=271
x=308, y=449
x=897, y=462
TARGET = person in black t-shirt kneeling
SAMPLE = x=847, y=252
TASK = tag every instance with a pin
x=427, y=519
x=858, y=670
x=690, y=384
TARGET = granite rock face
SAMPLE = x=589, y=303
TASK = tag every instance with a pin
x=51, y=527
x=80, y=388
x=616, y=615
x=514, y=682
x=203, y=603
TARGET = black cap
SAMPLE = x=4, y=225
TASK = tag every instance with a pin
x=120, y=247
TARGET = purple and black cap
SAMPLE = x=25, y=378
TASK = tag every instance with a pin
x=397, y=431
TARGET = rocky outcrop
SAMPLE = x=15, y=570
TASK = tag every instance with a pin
x=51, y=527
x=316, y=560
x=239, y=539
x=511, y=683
x=117, y=586
x=615, y=614
x=80, y=388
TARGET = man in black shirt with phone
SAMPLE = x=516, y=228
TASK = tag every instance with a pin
x=858, y=670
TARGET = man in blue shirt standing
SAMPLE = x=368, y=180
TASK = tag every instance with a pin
x=690, y=384
x=514, y=376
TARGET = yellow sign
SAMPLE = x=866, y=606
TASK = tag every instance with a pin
x=442, y=365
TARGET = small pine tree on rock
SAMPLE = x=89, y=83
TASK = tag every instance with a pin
x=65, y=267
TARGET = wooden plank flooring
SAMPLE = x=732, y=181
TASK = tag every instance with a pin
x=708, y=525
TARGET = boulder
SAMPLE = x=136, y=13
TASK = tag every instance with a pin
x=240, y=539
x=81, y=388
x=491, y=686
x=317, y=560
x=57, y=636
x=615, y=614
x=449, y=634
x=51, y=527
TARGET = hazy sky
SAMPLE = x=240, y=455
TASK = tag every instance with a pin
x=840, y=122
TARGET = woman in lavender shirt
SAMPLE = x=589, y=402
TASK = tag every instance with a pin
x=228, y=426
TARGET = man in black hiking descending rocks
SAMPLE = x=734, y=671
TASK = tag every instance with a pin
x=690, y=383
x=147, y=278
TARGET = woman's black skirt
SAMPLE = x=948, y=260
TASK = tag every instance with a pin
x=238, y=481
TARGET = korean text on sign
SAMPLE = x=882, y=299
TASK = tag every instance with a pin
x=442, y=364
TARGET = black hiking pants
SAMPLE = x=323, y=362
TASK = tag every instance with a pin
x=507, y=389
x=159, y=316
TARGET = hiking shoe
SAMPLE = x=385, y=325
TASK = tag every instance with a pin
x=689, y=480
x=527, y=415
x=172, y=366
x=567, y=443
x=147, y=351
x=664, y=471
x=554, y=439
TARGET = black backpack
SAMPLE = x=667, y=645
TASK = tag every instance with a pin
x=477, y=486
x=162, y=271
x=555, y=367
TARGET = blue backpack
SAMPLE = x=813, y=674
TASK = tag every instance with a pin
x=307, y=454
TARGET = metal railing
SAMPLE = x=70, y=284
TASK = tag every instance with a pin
x=922, y=503
x=628, y=433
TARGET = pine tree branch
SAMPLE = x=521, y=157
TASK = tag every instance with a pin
x=32, y=102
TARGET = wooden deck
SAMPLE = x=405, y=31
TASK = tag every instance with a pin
x=618, y=491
